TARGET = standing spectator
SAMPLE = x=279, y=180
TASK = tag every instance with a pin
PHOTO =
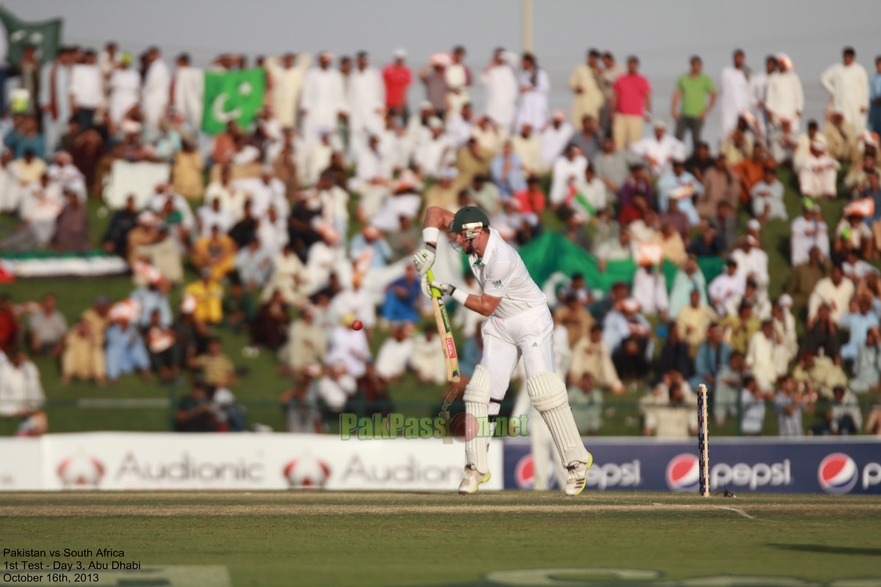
x=501, y=91
x=534, y=89
x=848, y=86
x=692, y=90
x=86, y=89
x=874, y=121
x=767, y=198
x=155, y=93
x=734, y=91
x=302, y=413
x=287, y=74
x=631, y=104
x=458, y=78
x=752, y=405
x=432, y=76
x=712, y=356
x=323, y=99
x=761, y=354
x=584, y=82
x=47, y=328
x=785, y=98
x=269, y=328
x=789, y=404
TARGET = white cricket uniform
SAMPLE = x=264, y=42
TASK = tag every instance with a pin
x=522, y=323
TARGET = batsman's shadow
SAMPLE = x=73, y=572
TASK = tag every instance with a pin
x=828, y=549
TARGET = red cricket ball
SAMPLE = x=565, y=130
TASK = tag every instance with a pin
x=357, y=325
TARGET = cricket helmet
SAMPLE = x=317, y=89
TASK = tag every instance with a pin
x=471, y=219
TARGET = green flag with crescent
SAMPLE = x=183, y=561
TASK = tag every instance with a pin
x=232, y=95
x=44, y=36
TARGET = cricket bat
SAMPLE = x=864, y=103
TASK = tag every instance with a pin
x=445, y=331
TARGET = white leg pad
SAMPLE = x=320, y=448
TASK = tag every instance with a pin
x=477, y=395
x=548, y=395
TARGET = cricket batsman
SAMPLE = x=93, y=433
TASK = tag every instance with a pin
x=520, y=324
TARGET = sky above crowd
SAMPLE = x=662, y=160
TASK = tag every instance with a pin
x=663, y=33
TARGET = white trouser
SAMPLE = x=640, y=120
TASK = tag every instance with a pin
x=505, y=340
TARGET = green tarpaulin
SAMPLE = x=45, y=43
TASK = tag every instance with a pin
x=552, y=252
x=45, y=36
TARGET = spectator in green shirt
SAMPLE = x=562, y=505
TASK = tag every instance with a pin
x=692, y=90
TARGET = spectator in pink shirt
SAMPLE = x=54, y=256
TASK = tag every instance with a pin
x=397, y=77
x=631, y=104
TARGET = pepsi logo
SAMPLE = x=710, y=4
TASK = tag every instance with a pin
x=307, y=472
x=524, y=472
x=837, y=473
x=683, y=473
x=80, y=472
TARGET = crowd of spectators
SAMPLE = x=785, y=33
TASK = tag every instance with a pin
x=306, y=221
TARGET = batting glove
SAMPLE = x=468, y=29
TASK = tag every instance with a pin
x=424, y=258
x=426, y=288
x=446, y=289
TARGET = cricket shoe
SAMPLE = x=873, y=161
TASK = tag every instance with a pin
x=472, y=480
x=578, y=476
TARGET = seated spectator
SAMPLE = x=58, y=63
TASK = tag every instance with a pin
x=650, y=290
x=215, y=367
x=867, y=365
x=232, y=197
x=485, y=194
x=239, y=307
x=802, y=149
x=336, y=387
x=818, y=373
x=507, y=171
x=843, y=418
x=567, y=171
x=729, y=382
x=555, y=137
x=752, y=405
x=207, y=298
x=660, y=149
x=707, y=244
x=637, y=182
x=161, y=347
x=83, y=356
x=125, y=352
x=25, y=138
x=784, y=324
x=301, y=402
x=47, y=329
x=726, y=286
x=752, y=262
x=188, y=171
x=737, y=146
x=575, y=318
x=861, y=317
x=782, y=142
x=395, y=353
x=675, y=355
x=307, y=341
x=679, y=184
x=590, y=194
x=39, y=210
x=591, y=356
x=628, y=334
x=216, y=253
x=348, y=347
x=671, y=244
x=712, y=355
x=403, y=298
x=587, y=404
x=589, y=138
x=818, y=174
x=153, y=296
x=700, y=161
x=767, y=198
x=425, y=359
x=852, y=233
x=721, y=184
x=71, y=227
x=196, y=412
x=804, y=279
x=21, y=391
x=245, y=229
x=739, y=328
x=789, y=403
x=834, y=291
x=668, y=411
x=752, y=170
x=841, y=136
x=808, y=231
x=116, y=238
x=752, y=296
x=760, y=356
x=254, y=265
x=470, y=161
x=694, y=320
x=214, y=214
x=270, y=327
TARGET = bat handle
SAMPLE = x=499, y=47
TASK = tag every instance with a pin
x=435, y=292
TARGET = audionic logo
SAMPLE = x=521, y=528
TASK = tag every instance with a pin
x=837, y=473
x=307, y=472
x=683, y=473
x=80, y=471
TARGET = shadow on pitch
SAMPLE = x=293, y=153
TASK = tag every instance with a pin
x=828, y=549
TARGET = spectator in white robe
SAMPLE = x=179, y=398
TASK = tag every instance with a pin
x=232, y=197
x=272, y=230
x=802, y=149
x=761, y=354
x=21, y=391
x=808, y=231
x=154, y=93
x=785, y=96
x=337, y=386
x=458, y=79
x=254, y=265
x=819, y=173
x=835, y=291
x=767, y=198
x=752, y=262
x=534, y=89
x=569, y=169
x=323, y=99
x=555, y=137
x=55, y=98
x=125, y=89
x=426, y=360
x=366, y=95
x=86, y=89
x=289, y=276
x=373, y=173
x=348, y=347
x=528, y=147
x=318, y=156
x=460, y=125
x=396, y=353
x=164, y=193
x=734, y=92
x=214, y=214
x=726, y=286
x=758, y=90
x=660, y=149
x=188, y=91
x=500, y=82
x=393, y=143
x=488, y=136
x=434, y=154
x=848, y=86
x=287, y=73
x=64, y=173
x=264, y=191
x=650, y=290
x=356, y=300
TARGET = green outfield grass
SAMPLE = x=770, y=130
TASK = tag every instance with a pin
x=409, y=539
